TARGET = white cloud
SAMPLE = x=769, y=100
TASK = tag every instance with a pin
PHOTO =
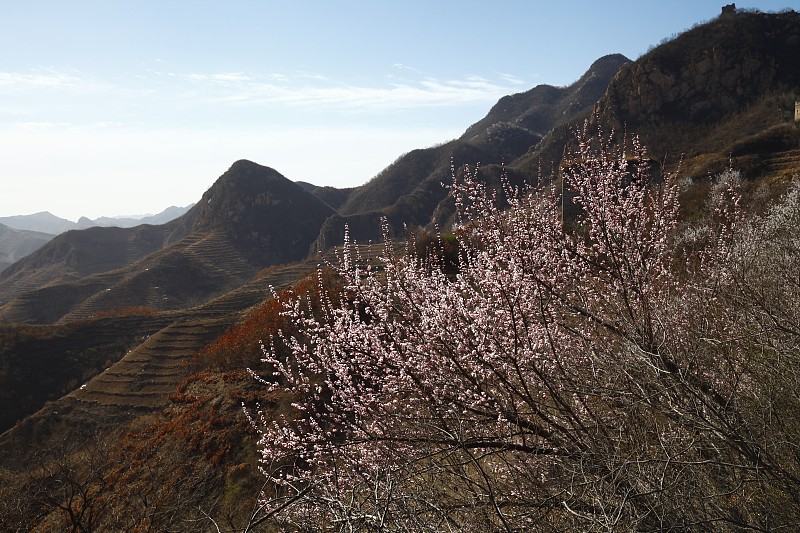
x=18, y=79
x=402, y=66
x=326, y=95
x=511, y=78
x=38, y=126
x=232, y=77
x=47, y=79
x=155, y=96
x=16, y=110
x=311, y=76
x=223, y=77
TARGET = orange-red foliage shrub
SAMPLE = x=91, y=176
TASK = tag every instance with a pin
x=240, y=346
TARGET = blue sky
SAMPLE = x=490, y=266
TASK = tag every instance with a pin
x=127, y=107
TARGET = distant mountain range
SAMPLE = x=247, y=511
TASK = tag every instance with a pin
x=719, y=94
x=46, y=222
x=23, y=234
x=163, y=217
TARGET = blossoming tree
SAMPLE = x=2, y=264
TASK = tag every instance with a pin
x=609, y=371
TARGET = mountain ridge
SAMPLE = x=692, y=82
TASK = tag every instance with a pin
x=410, y=191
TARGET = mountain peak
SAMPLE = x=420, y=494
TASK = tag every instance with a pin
x=610, y=60
x=245, y=165
x=255, y=205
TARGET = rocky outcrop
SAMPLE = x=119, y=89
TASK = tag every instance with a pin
x=707, y=74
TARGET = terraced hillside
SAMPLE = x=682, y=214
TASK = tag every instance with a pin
x=768, y=157
x=149, y=372
x=783, y=164
x=195, y=268
x=136, y=390
x=41, y=363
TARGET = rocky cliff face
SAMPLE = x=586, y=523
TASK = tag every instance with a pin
x=707, y=74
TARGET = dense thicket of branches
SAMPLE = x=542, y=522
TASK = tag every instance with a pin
x=625, y=371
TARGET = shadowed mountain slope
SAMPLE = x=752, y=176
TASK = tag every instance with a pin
x=410, y=191
x=330, y=195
